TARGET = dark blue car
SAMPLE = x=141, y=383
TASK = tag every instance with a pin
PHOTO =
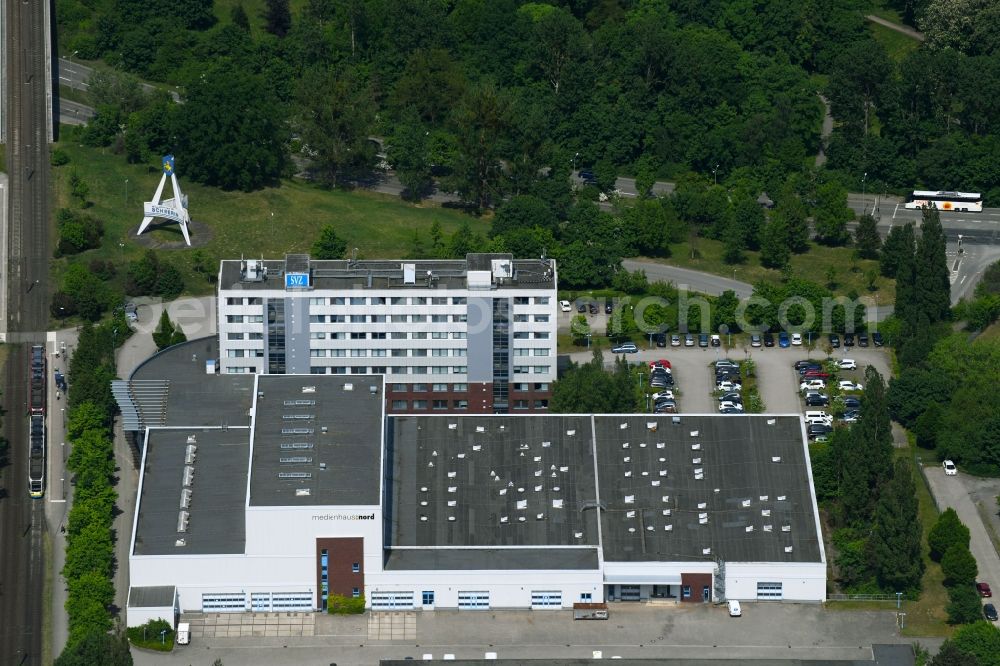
x=783, y=339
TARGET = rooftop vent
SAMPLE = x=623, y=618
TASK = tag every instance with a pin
x=696, y=447
x=623, y=426
x=745, y=503
x=308, y=389
x=771, y=421
x=185, y=498
x=302, y=492
x=651, y=426
x=373, y=389
x=706, y=551
x=180, y=542
x=763, y=498
x=668, y=528
x=571, y=433
x=694, y=433
x=788, y=549
x=776, y=459
x=294, y=475
x=348, y=386
x=452, y=426
x=749, y=528
x=191, y=439
x=182, y=521
x=188, y=475
x=189, y=454
x=480, y=428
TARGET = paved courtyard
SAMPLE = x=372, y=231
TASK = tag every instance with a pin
x=235, y=625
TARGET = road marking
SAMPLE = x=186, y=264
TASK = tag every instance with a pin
x=62, y=501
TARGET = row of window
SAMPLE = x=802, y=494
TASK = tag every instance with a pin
x=244, y=336
x=390, y=319
x=404, y=405
x=395, y=353
x=244, y=319
x=252, y=300
x=391, y=300
x=532, y=369
x=390, y=370
x=422, y=388
x=525, y=404
x=538, y=318
x=384, y=335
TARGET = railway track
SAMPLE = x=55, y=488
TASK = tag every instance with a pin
x=22, y=520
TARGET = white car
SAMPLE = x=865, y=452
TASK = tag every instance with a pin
x=847, y=385
x=726, y=404
x=797, y=339
x=847, y=364
x=949, y=468
x=812, y=385
x=565, y=306
x=675, y=341
x=663, y=395
x=729, y=386
x=734, y=608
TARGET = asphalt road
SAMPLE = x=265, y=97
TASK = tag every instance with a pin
x=951, y=492
x=77, y=76
x=25, y=318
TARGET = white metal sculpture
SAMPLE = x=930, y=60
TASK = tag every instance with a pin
x=173, y=209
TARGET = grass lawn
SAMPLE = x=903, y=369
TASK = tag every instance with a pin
x=896, y=44
x=813, y=265
x=268, y=222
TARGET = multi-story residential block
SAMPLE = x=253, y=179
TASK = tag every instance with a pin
x=476, y=335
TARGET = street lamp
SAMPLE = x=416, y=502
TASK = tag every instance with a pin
x=715, y=176
x=574, y=161
x=864, y=197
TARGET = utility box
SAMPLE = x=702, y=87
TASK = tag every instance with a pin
x=590, y=611
x=211, y=366
x=183, y=633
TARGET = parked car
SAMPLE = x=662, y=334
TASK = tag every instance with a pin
x=661, y=381
x=847, y=385
x=783, y=340
x=990, y=612
x=834, y=341
x=581, y=307
x=726, y=404
x=797, y=339
x=848, y=339
x=593, y=308
x=728, y=386
x=812, y=385
x=877, y=339
x=730, y=410
x=815, y=374
x=805, y=365
x=661, y=339
x=852, y=402
x=625, y=348
x=668, y=407
x=734, y=608
x=703, y=340
x=662, y=363
x=817, y=429
x=565, y=306
x=716, y=341
x=848, y=364
x=768, y=340
x=587, y=176
x=689, y=340
x=755, y=340
x=669, y=395
x=862, y=339
x=608, y=306
x=949, y=468
x=726, y=363
x=851, y=416
x=675, y=341
x=816, y=399
x=984, y=590
x=731, y=396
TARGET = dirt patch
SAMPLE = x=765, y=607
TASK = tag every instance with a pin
x=166, y=235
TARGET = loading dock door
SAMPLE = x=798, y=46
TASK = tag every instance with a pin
x=769, y=592
x=546, y=600
x=473, y=600
x=392, y=600
x=225, y=602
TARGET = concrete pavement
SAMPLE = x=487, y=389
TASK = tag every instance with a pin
x=704, y=283
x=951, y=492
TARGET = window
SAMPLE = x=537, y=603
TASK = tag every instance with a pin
x=357, y=319
x=458, y=300
x=546, y=599
x=520, y=387
x=520, y=404
x=460, y=318
x=255, y=336
x=398, y=369
x=473, y=600
x=336, y=319
x=399, y=405
x=338, y=371
x=439, y=300
x=378, y=319
x=418, y=318
x=439, y=319
x=378, y=352
x=439, y=404
x=398, y=319
x=399, y=388
x=358, y=370
x=439, y=352
x=586, y=597
x=380, y=335
x=234, y=301
x=439, y=335
x=398, y=300
x=541, y=300
x=460, y=369
x=522, y=300
x=317, y=353
x=419, y=404
x=355, y=592
x=541, y=386
x=319, y=335
x=234, y=336
x=235, y=353
x=399, y=353
x=541, y=351
x=356, y=567
x=419, y=352
x=458, y=336
x=439, y=370
x=420, y=300
x=339, y=335
x=459, y=387
x=439, y=387
x=541, y=318
x=521, y=352
x=459, y=351
x=255, y=300
x=520, y=318
x=337, y=300
x=357, y=300
x=378, y=369
x=769, y=591
x=253, y=319
x=427, y=598
x=686, y=591
x=460, y=404
x=419, y=388
x=542, y=335
x=521, y=369
x=542, y=369
x=358, y=336
x=317, y=301
x=419, y=335
x=541, y=404
x=398, y=335
x=234, y=319
x=378, y=300
x=521, y=335
x=420, y=370
x=317, y=319
x=359, y=353
x=317, y=371
x=337, y=352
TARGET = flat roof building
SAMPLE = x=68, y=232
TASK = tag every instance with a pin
x=475, y=335
x=316, y=491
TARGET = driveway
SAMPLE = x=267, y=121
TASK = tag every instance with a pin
x=954, y=493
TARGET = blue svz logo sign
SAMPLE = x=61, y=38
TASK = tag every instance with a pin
x=296, y=280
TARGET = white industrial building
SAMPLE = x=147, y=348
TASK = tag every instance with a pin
x=272, y=492
x=474, y=335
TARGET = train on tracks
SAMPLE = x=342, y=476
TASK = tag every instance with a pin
x=36, y=422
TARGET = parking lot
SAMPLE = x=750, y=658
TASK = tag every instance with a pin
x=634, y=630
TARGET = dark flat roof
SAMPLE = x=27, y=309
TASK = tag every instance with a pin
x=157, y=596
x=486, y=467
x=218, y=492
x=707, y=661
x=195, y=398
x=288, y=439
x=470, y=559
x=384, y=274
x=644, y=473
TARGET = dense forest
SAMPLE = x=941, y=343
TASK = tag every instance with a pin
x=495, y=93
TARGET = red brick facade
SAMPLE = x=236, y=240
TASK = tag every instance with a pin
x=697, y=582
x=473, y=398
x=342, y=554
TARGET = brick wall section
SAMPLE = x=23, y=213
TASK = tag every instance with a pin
x=697, y=581
x=342, y=553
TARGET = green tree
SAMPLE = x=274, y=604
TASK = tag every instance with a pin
x=429, y=85
x=481, y=122
x=950, y=655
x=277, y=17
x=933, y=286
x=96, y=647
x=898, y=250
x=238, y=17
x=866, y=238
x=964, y=605
x=981, y=640
x=79, y=188
x=831, y=213
x=408, y=153
x=874, y=429
x=959, y=566
x=896, y=537
x=860, y=83
x=522, y=212
x=748, y=220
x=329, y=245
x=169, y=282
x=90, y=595
x=774, y=243
x=167, y=334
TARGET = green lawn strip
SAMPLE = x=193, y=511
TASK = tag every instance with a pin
x=897, y=44
x=269, y=222
x=254, y=9
x=813, y=265
x=74, y=95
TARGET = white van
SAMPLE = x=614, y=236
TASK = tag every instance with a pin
x=818, y=417
x=183, y=633
x=734, y=608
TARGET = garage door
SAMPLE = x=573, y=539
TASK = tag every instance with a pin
x=546, y=599
x=473, y=600
x=392, y=600
x=291, y=601
x=227, y=602
x=769, y=591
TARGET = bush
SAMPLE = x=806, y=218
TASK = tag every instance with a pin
x=948, y=531
x=59, y=157
x=148, y=636
x=964, y=606
x=338, y=604
x=959, y=566
x=77, y=232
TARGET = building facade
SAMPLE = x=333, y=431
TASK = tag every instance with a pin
x=476, y=335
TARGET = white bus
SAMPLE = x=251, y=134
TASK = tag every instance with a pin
x=969, y=202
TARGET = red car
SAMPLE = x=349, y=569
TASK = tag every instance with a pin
x=984, y=589
x=662, y=363
x=815, y=374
